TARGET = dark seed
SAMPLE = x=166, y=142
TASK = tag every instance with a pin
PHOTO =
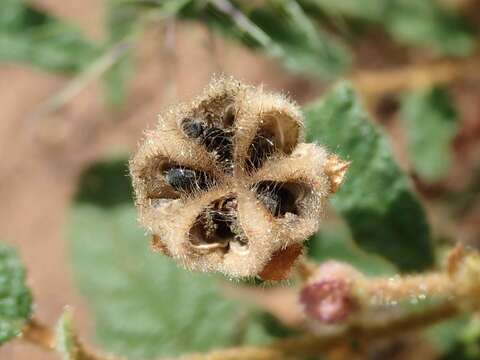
x=183, y=179
x=276, y=198
x=271, y=201
x=220, y=141
x=192, y=127
x=261, y=148
x=217, y=224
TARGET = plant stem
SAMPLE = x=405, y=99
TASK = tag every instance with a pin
x=416, y=76
x=310, y=345
x=80, y=82
x=38, y=334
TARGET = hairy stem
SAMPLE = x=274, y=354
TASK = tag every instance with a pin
x=310, y=345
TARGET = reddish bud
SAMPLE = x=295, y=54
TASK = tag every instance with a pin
x=329, y=301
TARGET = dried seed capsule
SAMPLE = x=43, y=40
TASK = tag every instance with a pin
x=244, y=192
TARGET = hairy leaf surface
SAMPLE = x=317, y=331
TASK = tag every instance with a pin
x=376, y=201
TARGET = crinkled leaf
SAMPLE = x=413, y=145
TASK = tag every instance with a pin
x=430, y=123
x=144, y=305
x=32, y=36
x=282, y=30
x=376, y=201
x=15, y=296
x=334, y=242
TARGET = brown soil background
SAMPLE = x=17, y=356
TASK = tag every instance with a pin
x=43, y=156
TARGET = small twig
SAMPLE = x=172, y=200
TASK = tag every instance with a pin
x=212, y=46
x=305, y=268
x=169, y=50
x=248, y=27
x=38, y=334
x=41, y=335
x=310, y=345
x=77, y=84
x=375, y=83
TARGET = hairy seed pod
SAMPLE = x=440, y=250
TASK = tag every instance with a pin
x=225, y=182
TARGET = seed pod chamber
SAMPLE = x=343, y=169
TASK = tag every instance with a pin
x=225, y=182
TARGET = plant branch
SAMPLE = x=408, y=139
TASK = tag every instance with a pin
x=78, y=83
x=310, y=345
x=39, y=334
x=373, y=83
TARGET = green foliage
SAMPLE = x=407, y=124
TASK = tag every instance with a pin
x=457, y=338
x=430, y=122
x=280, y=29
x=366, y=9
x=15, y=296
x=106, y=184
x=383, y=214
x=467, y=345
x=31, y=36
x=143, y=303
x=334, y=242
x=444, y=335
x=424, y=23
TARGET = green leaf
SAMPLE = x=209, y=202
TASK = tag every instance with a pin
x=467, y=346
x=430, y=122
x=144, y=305
x=15, y=296
x=376, y=201
x=422, y=23
x=444, y=335
x=365, y=9
x=426, y=23
x=106, y=184
x=31, y=36
x=282, y=30
x=334, y=242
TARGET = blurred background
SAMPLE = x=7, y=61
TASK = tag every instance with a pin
x=81, y=80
